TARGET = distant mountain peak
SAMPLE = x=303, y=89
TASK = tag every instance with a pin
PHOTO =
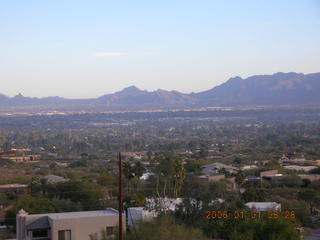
x=131, y=90
x=261, y=90
x=287, y=74
x=276, y=89
x=18, y=96
x=132, y=87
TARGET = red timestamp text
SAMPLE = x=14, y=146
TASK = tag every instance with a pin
x=253, y=214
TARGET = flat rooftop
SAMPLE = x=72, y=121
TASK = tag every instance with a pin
x=262, y=204
x=70, y=215
x=13, y=185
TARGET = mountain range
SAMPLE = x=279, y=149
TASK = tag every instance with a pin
x=258, y=90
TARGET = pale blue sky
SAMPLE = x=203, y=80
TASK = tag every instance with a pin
x=78, y=48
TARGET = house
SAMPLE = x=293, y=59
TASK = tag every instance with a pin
x=253, y=179
x=248, y=167
x=135, y=214
x=20, y=156
x=300, y=168
x=134, y=155
x=216, y=178
x=315, y=163
x=268, y=173
x=214, y=168
x=285, y=161
x=152, y=208
x=212, y=178
x=67, y=225
x=311, y=177
x=17, y=188
x=263, y=206
x=61, y=164
x=54, y=179
x=146, y=176
x=163, y=204
x=214, y=157
x=156, y=205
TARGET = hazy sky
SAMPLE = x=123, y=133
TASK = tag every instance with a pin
x=81, y=48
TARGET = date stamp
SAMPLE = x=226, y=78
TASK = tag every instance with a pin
x=241, y=214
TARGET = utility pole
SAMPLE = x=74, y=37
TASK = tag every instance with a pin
x=120, y=199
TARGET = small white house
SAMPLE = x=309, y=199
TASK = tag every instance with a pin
x=300, y=168
x=146, y=176
x=248, y=167
x=135, y=214
x=264, y=206
x=153, y=206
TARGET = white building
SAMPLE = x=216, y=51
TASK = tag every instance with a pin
x=263, y=206
x=135, y=214
x=67, y=225
x=300, y=168
x=248, y=167
x=146, y=176
x=163, y=204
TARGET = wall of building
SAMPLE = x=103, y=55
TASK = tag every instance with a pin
x=81, y=228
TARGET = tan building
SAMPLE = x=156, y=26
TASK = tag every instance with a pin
x=20, y=156
x=214, y=178
x=67, y=226
x=17, y=188
x=268, y=173
x=311, y=177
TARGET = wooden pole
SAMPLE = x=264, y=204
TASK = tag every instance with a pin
x=120, y=199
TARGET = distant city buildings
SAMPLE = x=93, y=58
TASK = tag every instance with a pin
x=22, y=155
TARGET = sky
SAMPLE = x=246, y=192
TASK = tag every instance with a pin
x=84, y=49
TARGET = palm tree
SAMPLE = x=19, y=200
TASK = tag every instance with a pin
x=240, y=178
x=138, y=169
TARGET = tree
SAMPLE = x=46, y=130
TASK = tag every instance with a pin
x=138, y=169
x=128, y=170
x=193, y=166
x=311, y=196
x=128, y=174
x=103, y=236
x=170, y=174
x=251, y=229
x=66, y=205
x=178, y=177
x=109, y=181
x=253, y=194
x=33, y=205
x=164, y=228
x=35, y=186
x=88, y=194
x=44, y=185
x=240, y=179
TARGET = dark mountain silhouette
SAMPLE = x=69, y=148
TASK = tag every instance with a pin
x=277, y=89
x=134, y=96
x=3, y=97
